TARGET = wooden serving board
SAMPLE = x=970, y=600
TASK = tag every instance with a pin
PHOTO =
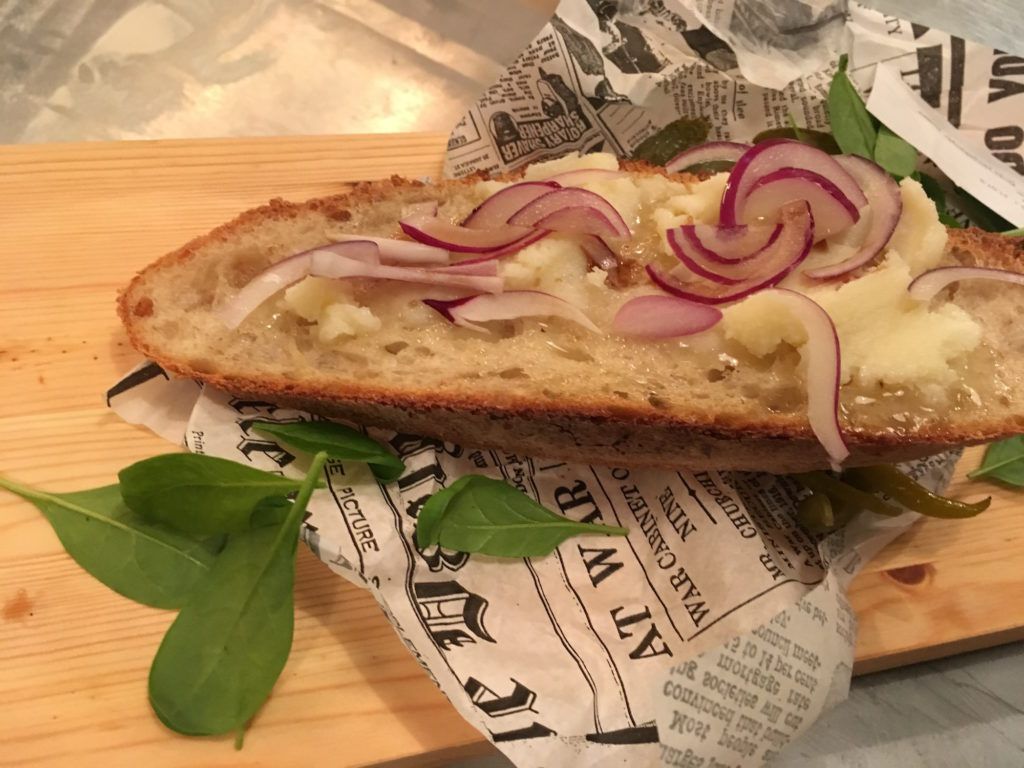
x=76, y=221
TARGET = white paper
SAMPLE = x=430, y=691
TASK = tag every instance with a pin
x=992, y=182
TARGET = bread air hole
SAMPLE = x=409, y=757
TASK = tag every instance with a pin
x=513, y=373
x=395, y=347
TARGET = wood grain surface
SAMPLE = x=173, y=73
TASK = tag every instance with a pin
x=75, y=222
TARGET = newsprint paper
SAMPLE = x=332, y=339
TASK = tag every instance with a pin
x=718, y=630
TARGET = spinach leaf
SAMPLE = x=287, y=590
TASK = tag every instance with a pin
x=339, y=442
x=979, y=213
x=198, y=494
x=672, y=139
x=428, y=522
x=823, y=141
x=853, y=127
x=493, y=518
x=1003, y=461
x=221, y=657
x=894, y=154
x=937, y=194
x=143, y=561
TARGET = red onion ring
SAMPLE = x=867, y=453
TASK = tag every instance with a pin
x=443, y=234
x=833, y=211
x=885, y=206
x=401, y=251
x=495, y=211
x=578, y=210
x=286, y=272
x=823, y=367
x=598, y=252
x=729, y=245
x=663, y=317
x=334, y=265
x=514, y=247
x=777, y=261
x=768, y=156
x=469, y=311
x=709, y=152
x=926, y=285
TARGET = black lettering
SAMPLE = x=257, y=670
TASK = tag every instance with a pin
x=1000, y=89
x=599, y=567
x=578, y=496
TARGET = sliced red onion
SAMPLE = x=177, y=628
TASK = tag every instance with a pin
x=515, y=247
x=402, y=251
x=444, y=234
x=286, y=272
x=598, y=252
x=495, y=211
x=710, y=152
x=572, y=210
x=770, y=156
x=334, y=265
x=823, y=366
x=426, y=208
x=469, y=311
x=776, y=261
x=663, y=317
x=584, y=176
x=928, y=284
x=729, y=245
x=885, y=206
x=833, y=211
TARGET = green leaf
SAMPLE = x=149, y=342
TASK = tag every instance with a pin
x=338, y=442
x=1013, y=232
x=894, y=154
x=1003, y=461
x=221, y=657
x=199, y=494
x=145, y=562
x=672, y=139
x=823, y=141
x=980, y=215
x=493, y=518
x=854, y=129
x=428, y=522
x=937, y=194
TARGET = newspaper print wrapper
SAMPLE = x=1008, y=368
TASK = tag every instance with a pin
x=717, y=631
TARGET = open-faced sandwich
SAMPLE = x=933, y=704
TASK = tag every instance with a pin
x=799, y=311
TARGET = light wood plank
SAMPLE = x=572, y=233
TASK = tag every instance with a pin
x=78, y=220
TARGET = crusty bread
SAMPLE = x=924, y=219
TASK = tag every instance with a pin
x=546, y=390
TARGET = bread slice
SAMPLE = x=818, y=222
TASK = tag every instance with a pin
x=545, y=389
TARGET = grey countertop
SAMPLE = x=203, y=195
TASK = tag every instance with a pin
x=129, y=69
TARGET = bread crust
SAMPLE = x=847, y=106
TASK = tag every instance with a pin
x=599, y=431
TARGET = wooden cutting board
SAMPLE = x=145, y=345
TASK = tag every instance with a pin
x=75, y=222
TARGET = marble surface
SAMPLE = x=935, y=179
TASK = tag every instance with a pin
x=127, y=69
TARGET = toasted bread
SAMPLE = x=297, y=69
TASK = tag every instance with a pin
x=545, y=390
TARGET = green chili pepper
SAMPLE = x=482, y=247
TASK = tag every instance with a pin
x=838, y=491
x=893, y=483
x=818, y=514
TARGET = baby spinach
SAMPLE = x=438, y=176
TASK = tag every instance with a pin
x=853, y=127
x=144, y=561
x=428, y=522
x=199, y=494
x=338, y=442
x=493, y=518
x=894, y=154
x=672, y=139
x=222, y=655
x=1004, y=461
